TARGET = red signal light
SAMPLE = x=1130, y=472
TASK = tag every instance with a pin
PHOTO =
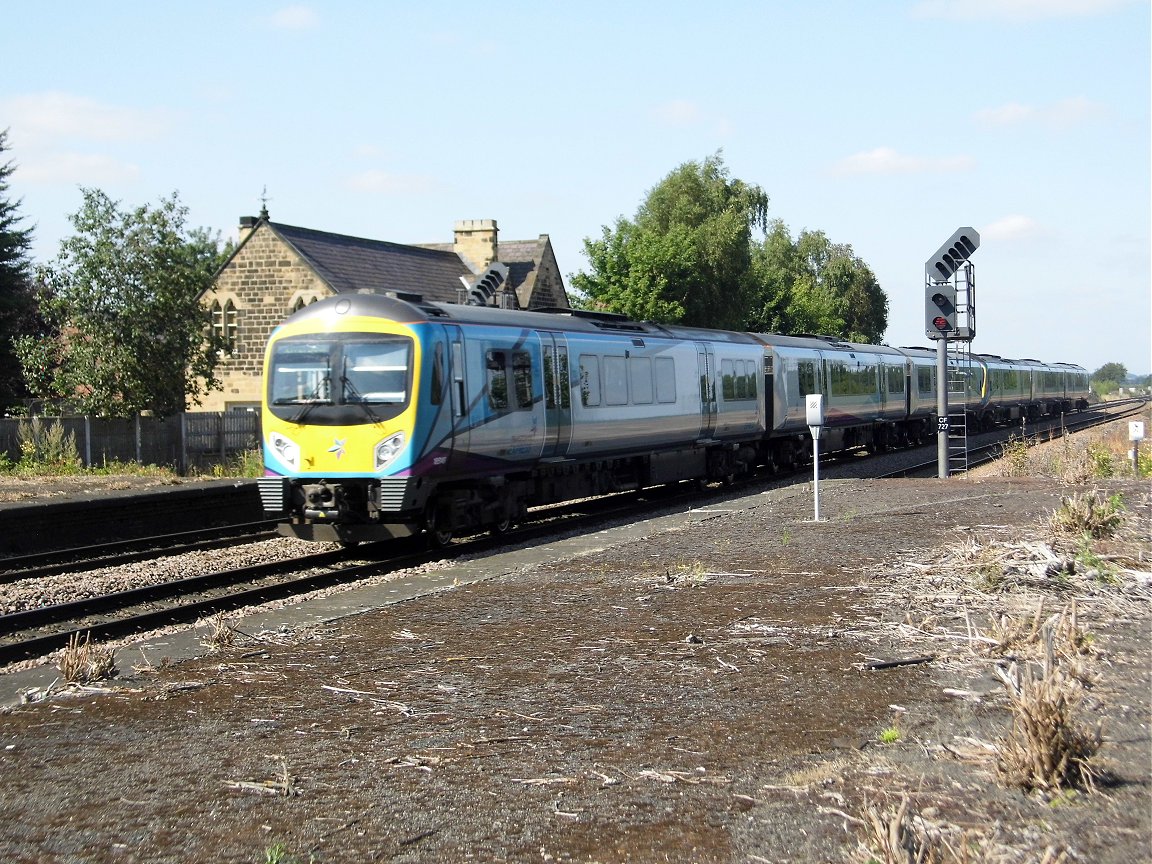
x=940, y=322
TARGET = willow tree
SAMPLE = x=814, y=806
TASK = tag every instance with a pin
x=686, y=255
x=812, y=285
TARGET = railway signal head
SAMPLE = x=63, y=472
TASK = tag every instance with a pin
x=951, y=256
x=940, y=310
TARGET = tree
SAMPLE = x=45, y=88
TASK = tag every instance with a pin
x=17, y=300
x=812, y=285
x=1117, y=372
x=127, y=332
x=691, y=256
x=686, y=257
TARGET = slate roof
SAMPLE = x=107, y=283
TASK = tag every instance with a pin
x=356, y=264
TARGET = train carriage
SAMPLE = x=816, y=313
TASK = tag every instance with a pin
x=385, y=416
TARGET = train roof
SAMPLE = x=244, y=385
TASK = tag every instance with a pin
x=811, y=342
x=412, y=308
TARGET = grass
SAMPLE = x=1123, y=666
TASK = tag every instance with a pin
x=82, y=662
x=1088, y=514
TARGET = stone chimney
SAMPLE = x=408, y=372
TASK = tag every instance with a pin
x=475, y=242
x=247, y=226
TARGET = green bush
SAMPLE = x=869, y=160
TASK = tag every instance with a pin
x=47, y=447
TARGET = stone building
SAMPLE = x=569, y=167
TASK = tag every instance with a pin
x=277, y=269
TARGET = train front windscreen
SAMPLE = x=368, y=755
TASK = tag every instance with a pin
x=339, y=379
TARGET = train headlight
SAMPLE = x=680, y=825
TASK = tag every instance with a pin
x=388, y=449
x=286, y=450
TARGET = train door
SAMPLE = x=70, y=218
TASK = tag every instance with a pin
x=706, y=366
x=557, y=395
x=458, y=440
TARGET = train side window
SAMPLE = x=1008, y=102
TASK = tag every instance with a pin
x=665, y=379
x=895, y=379
x=589, y=380
x=615, y=381
x=806, y=375
x=727, y=380
x=745, y=379
x=640, y=380
x=437, y=395
x=924, y=375
x=522, y=377
x=494, y=364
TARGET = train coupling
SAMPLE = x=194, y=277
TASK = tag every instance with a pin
x=322, y=502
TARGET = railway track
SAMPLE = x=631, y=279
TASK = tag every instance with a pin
x=38, y=631
x=35, y=632
x=119, y=552
x=988, y=451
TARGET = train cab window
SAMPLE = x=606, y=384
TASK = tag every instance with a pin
x=301, y=373
x=376, y=372
x=522, y=378
x=436, y=397
x=665, y=380
x=895, y=379
x=615, y=381
x=589, y=380
x=495, y=365
x=640, y=380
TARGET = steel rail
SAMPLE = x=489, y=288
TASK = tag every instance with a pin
x=117, y=552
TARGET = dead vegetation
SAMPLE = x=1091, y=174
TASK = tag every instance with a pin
x=1022, y=599
x=84, y=662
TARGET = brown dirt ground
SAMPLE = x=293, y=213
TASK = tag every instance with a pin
x=699, y=696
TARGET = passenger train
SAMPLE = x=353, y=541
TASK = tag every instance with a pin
x=385, y=415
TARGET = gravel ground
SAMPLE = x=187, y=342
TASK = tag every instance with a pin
x=701, y=695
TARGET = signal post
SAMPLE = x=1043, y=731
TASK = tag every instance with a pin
x=948, y=315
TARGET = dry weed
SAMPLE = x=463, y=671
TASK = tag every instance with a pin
x=1089, y=514
x=222, y=632
x=83, y=662
x=897, y=836
x=1046, y=749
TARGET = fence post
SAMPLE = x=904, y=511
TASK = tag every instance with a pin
x=183, y=457
x=139, y=460
x=87, y=441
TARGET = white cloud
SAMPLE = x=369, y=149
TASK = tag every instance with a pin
x=1013, y=227
x=1014, y=10
x=1064, y=114
x=297, y=17
x=885, y=160
x=87, y=169
x=678, y=112
x=38, y=119
x=380, y=182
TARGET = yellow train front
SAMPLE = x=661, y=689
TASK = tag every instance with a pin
x=339, y=421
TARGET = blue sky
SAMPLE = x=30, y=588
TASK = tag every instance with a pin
x=887, y=124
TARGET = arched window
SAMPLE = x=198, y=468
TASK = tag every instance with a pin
x=300, y=302
x=224, y=324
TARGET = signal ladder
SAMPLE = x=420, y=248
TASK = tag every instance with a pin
x=961, y=385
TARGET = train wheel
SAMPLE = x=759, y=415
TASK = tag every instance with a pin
x=439, y=534
x=501, y=526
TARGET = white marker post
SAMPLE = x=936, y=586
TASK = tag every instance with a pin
x=1136, y=435
x=814, y=406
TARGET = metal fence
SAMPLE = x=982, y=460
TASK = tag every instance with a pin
x=192, y=441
